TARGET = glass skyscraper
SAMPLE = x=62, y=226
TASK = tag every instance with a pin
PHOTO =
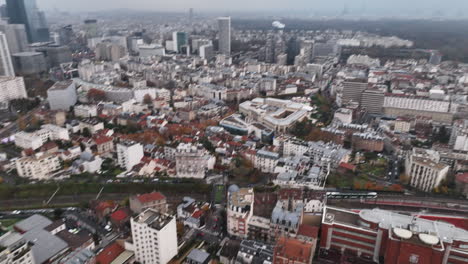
x=26, y=12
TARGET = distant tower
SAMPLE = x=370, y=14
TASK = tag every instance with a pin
x=27, y=13
x=191, y=15
x=224, y=32
x=91, y=28
x=6, y=65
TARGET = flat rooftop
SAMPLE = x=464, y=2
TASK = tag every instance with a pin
x=153, y=219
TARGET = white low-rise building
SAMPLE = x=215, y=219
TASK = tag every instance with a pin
x=38, y=167
x=38, y=138
x=85, y=111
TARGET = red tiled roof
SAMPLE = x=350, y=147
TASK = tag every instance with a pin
x=102, y=139
x=149, y=197
x=347, y=166
x=109, y=254
x=197, y=214
x=119, y=215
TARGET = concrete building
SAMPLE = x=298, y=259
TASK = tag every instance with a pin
x=266, y=161
x=29, y=63
x=16, y=37
x=62, y=95
x=239, y=210
x=91, y=28
x=425, y=170
x=129, y=154
x=224, y=35
x=381, y=236
x=193, y=161
x=6, y=65
x=85, y=111
x=276, y=114
x=26, y=12
x=400, y=105
x=179, y=39
x=155, y=201
x=372, y=101
x=93, y=125
x=38, y=167
x=12, y=88
x=38, y=138
x=151, y=50
x=207, y=52
x=154, y=237
x=352, y=91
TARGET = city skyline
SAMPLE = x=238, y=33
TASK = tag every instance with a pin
x=377, y=7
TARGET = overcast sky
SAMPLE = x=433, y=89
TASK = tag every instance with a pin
x=257, y=5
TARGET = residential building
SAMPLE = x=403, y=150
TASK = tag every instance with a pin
x=193, y=161
x=266, y=161
x=154, y=237
x=12, y=88
x=14, y=249
x=239, y=210
x=16, y=37
x=155, y=200
x=197, y=256
x=386, y=237
x=129, y=154
x=224, y=35
x=352, y=91
x=93, y=125
x=38, y=138
x=372, y=100
x=38, y=167
x=425, y=170
x=251, y=252
x=62, y=95
x=85, y=111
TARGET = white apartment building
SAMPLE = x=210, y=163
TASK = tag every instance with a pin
x=239, y=210
x=425, y=170
x=38, y=167
x=38, y=138
x=192, y=161
x=85, y=111
x=92, y=125
x=14, y=245
x=129, y=154
x=154, y=237
x=12, y=88
x=62, y=95
x=266, y=161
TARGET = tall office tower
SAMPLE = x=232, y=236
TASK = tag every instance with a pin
x=27, y=13
x=179, y=39
x=6, y=65
x=372, y=100
x=91, y=28
x=16, y=36
x=154, y=237
x=436, y=58
x=191, y=15
x=352, y=91
x=224, y=27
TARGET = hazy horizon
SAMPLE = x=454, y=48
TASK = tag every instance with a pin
x=369, y=7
